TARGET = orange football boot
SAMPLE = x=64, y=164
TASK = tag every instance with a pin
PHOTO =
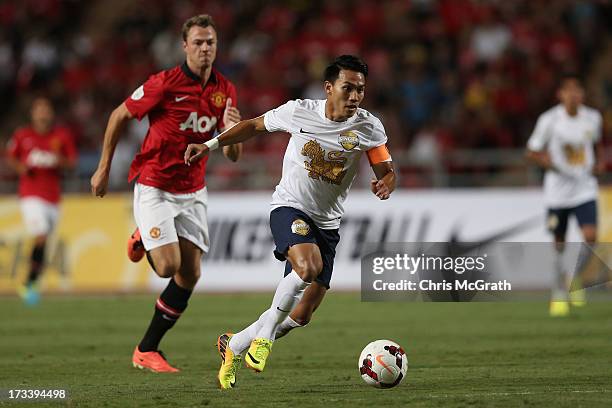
x=154, y=361
x=135, y=248
x=222, y=342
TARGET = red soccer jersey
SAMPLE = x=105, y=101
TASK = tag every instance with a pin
x=180, y=111
x=41, y=155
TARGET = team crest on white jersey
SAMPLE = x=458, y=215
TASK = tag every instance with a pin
x=300, y=227
x=330, y=169
x=348, y=140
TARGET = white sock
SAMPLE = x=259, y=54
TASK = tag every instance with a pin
x=285, y=327
x=559, y=291
x=583, y=258
x=241, y=341
x=287, y=295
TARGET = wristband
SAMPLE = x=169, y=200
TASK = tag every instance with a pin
x=212, y=144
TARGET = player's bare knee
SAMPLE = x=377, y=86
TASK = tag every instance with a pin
x=165, y=269
x=190, y=277
x=302, y=314
x=164, y=272
x=308, y=269
x=590, y=235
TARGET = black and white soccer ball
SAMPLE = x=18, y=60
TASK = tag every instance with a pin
x=383, y=364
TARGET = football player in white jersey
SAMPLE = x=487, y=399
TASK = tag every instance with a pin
x=328, y=138
x=566, y=143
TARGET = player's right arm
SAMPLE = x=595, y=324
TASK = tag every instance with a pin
x=536, y=145
x=138, y=105
x=13, y=155
x=99, y=181
x=241, y=132
x=540, y=159
x=17, y=166
x=278, y=119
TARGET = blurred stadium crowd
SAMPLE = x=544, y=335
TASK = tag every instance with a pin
x=446, y=75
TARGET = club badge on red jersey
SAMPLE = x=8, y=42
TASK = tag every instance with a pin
x=218, y=99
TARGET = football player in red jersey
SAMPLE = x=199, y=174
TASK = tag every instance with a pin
x=39, y=153
x=185, y=104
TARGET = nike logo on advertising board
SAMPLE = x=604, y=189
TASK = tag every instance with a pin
x=497, y=236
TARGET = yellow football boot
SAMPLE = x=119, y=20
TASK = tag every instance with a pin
x=230, y=363
x=257, y=354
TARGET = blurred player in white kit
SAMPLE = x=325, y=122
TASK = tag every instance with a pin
x=566, y=143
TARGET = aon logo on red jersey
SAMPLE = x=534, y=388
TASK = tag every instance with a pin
x=202, y=124
x=42, y=158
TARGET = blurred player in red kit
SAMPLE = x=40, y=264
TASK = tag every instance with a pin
x=185, y=104
x=39, y=153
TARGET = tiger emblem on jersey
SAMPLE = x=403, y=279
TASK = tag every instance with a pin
x=575, y=155
x=330, y=169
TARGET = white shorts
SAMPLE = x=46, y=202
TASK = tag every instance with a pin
x=162, y=217
x=40, y=216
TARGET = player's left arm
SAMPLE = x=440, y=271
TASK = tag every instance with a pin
x=382, y=164
x=599, y=167
x=231, y=116
x=68, y=157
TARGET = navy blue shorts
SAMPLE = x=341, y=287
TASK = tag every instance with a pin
x=586, y=214
x=291, y=226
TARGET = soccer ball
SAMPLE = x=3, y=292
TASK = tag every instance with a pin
x=383, y=364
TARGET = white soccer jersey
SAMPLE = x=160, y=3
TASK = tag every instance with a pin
x=322, y=157
x=569, y=140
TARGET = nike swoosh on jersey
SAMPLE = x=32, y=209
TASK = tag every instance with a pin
x=180, y=98
x=303, y=131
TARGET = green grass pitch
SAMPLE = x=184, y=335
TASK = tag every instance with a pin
x=460, y=355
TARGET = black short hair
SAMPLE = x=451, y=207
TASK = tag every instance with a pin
x=570, y=76
x=349, y=62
